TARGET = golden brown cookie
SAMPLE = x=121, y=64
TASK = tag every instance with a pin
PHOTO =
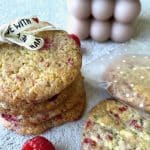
x=71, y=115
x=27, y=109
x=129, y=80
x=73, y=97
x=53, y=103
x=36, y=76
x=113, y=125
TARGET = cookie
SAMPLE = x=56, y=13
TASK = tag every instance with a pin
x=113, y=125
x=36, y=76
x=27, y=109
x=129, y=81
x=69, y=116
x=53, y=103
x=75, y=94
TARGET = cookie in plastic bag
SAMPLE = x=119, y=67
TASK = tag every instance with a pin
x=129, y=80
x=124, y=74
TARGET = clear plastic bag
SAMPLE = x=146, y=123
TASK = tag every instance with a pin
x=125, y=75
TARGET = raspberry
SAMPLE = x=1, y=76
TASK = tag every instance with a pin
x=36, y=20
x=90, y=141
x=75, y=38
x=38, y=143
x=70, y=61
x=135, y=124
x=47, y=44
x=9, y=117
x=123, y=108
x=109, y=137
x=88, y=124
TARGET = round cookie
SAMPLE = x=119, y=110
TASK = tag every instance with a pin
x=30, y=109
x=73, y=98
x=35, y=76
x=130, y=82
x=71, y=115
x=112, y=125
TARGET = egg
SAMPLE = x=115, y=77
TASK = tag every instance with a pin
x=80, y=8
x=121, y=32
x=100, y=30
x=126, y=11
x=102, y=9
x=79, y=27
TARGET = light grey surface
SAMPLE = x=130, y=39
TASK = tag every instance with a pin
x=67, y=137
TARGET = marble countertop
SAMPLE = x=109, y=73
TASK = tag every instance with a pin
x=67, y=137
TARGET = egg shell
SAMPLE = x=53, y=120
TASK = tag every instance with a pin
x=121, y=32
x=79, y=27
x=80, y=8
x=100, y=30
x=126, y=11
x=103, y=9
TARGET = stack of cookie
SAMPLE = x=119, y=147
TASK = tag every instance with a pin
x=41, y=89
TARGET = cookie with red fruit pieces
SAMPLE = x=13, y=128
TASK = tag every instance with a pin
x=36, y=76
x=70, y=115
x=38, y=143
x=129, y=76
x=74, y=94
x=34, y=108
x=50, y=105
x=113, y=125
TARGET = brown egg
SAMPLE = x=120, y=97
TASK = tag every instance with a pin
x=126, y=11
x=79, y=27
x=121, y=32
x=100, y=30
x=80, y=8
x=103, y=9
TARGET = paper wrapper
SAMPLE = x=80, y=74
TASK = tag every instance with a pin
x=125, y=75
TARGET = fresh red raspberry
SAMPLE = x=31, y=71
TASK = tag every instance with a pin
x=75, y=38
x=38, y=143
